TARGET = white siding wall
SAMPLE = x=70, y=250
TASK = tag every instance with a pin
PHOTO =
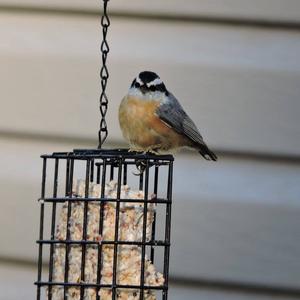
x=239, y=83
x=277, y=10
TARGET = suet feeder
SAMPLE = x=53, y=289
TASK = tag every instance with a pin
x=104, y=226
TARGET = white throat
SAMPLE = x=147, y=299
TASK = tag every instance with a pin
x=149, y=96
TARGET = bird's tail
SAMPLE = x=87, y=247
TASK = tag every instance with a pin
x=206, y=153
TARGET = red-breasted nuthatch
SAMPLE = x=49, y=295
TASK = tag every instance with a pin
x=152, y=119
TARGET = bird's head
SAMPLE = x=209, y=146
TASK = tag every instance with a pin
x=148, y=83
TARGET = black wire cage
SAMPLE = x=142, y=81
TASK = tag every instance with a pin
x=94, y=232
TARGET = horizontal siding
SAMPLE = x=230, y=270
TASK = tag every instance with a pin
x=235, y=221
x=268, y=10
x=225, y=216
x=241, y=86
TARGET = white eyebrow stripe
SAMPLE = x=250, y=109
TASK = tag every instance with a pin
x=154, y=82
x=139, y=81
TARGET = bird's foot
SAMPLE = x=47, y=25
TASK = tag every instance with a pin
x=154, y=150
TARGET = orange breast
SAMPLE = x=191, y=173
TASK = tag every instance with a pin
x=142, y=128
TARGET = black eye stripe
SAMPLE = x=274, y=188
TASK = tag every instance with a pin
x=154, y=88
x=133, y=83
x=160, y=87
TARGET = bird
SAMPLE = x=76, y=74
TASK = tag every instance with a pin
x=152, y=119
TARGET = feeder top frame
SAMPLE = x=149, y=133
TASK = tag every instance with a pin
x=109, y=154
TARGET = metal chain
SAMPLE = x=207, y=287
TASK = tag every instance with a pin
x=105, y=22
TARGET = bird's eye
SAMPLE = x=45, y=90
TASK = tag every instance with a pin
x=137, y=85
x=152, y=88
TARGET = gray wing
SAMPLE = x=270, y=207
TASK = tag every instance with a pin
x=174, y=116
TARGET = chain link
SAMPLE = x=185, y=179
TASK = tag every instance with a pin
x=104, y=75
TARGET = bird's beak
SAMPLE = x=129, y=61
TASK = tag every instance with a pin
x=143, y=88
